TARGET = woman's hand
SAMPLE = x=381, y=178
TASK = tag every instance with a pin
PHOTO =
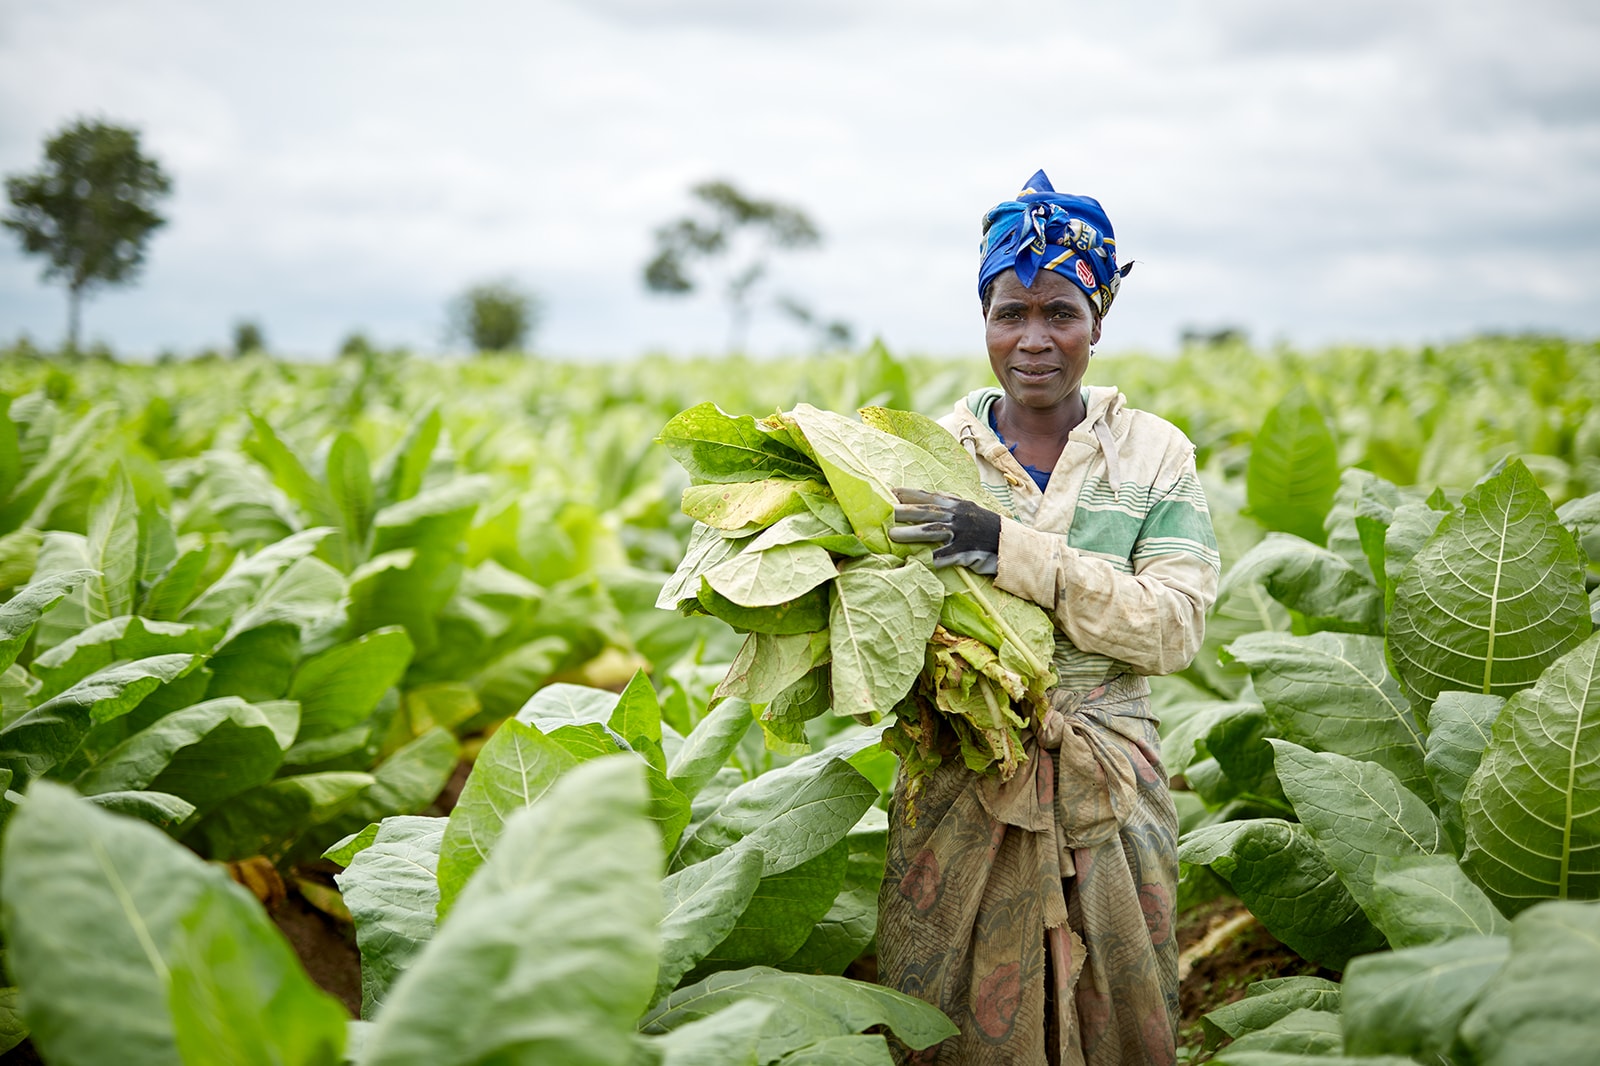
x=968, y=535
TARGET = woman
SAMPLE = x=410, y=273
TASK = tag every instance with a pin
x=1037, y=913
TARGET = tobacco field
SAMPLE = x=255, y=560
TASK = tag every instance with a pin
x=452, y=658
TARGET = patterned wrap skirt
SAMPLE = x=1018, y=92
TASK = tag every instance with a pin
x=1038, y=913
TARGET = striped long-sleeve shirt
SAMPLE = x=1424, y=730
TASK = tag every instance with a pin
x=1118, y=547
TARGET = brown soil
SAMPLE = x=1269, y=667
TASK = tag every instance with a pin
x=325, y=946
x=1222, y=975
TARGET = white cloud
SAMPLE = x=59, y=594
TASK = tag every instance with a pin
x=1367, y=171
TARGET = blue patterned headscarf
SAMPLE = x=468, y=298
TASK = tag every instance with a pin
x=1047, y=230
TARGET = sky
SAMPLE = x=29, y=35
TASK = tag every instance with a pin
x=1313, y=173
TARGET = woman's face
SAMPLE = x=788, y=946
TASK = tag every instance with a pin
x=1039, y=338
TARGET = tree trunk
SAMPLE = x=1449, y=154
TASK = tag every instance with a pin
x=74, y=314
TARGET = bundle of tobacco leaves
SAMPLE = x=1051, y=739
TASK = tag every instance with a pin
x=791, y=546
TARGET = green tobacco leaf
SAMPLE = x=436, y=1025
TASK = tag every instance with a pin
x=718, y=447
x=707, y=548
x=406, y=782
x=1300, y=1032
x=637, y=718
x=783, y=723
x=1541, y=1008
x=782, y=912
x=306, y=595
x=21, y=612
x=1282, y=876
x=74, y=875
x=937, y=441
x=700, y=906
x=237, y=992
x=19, y=554
x=338, y=688
x=1532, y=808
x=767, y=664
x=809, y=1008
x=517, y=766
x=878, y=630
x=52, y=731
x=1420, y=899
x=289, y=472
x=748, y=506
x=1412, y=1000
x=247, y=575
x=126, y=637
x=160, y=809
x=550, y=953
x=268, y=819
x=808, y=528
x=350, y=489
x=172, y=590
x=846, y=930
x=1238, y=740
x=1356, y=812
x=1459, y=726
x=708, y=746
x=14, y=1030
x=669, y=808
x=113, y=548
x=204, y=753
x=726, y=1038
x=563, y=704
x=1331, y=692
x=806, y=613
x=1027, y=635
x=1493, y=598
x=256, y=665
x=1294, y=468
x=1408, y=530
x=399, y=474
x=774, y=576
x=392, y=890
x=1265, y=1002
x=864, y=1050
x=791, y=814
x=1323, y=588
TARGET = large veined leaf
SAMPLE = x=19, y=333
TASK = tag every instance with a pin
x=708, y=745
x=268, y=819
x=1278, y=871
x=669, y=808
x=1420, y=899
x=1325, y=590
x=564, y=704
x=1294, y=468
x=718, y=447
x=782, y=912
x=1301, y=1032
x=1541, y=1008
x=241, y=584
x=860, y=1050
x=748, y=506
x=1356, y=812
x=406, y=782
x=808, y=528
x=726, y=1038
x=113, y=545
x=351, y=492
x=171, y=590
x=1265, y=1002
x=399, y=474
x=45, y=736
x=878, y=629
x=1410, y=1001
x=791, y=814
x=391, y=888
x=767, y=664
x=13, y=1030
x=160, y=809
x=75, y=876
x=517, y=766
x=339, y=687
x=772, y=576
x=700, y=906
x=1494, y=597
x=707, y=548
x=1459, y=726
x=22, y=612
x=809, y=1008
x=1532, y=808
x=237, y=992
x=550, y=953
x=124, y=637
x=847, y=929
x=204, y=753
x=1332, y=692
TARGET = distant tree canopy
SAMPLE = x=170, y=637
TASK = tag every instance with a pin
x=495, y=316
x=732, y=230
x=89, y=210
x=248, y=337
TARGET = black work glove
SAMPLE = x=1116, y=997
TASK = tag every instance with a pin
x=969, y=535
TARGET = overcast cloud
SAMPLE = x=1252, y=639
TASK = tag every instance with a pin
x=1373, y=172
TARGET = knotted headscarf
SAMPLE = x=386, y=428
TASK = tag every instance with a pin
x=1047, y=230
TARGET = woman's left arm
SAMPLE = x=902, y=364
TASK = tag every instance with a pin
x=1152, y=619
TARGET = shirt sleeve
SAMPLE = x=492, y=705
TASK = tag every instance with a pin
x=1152, y=619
